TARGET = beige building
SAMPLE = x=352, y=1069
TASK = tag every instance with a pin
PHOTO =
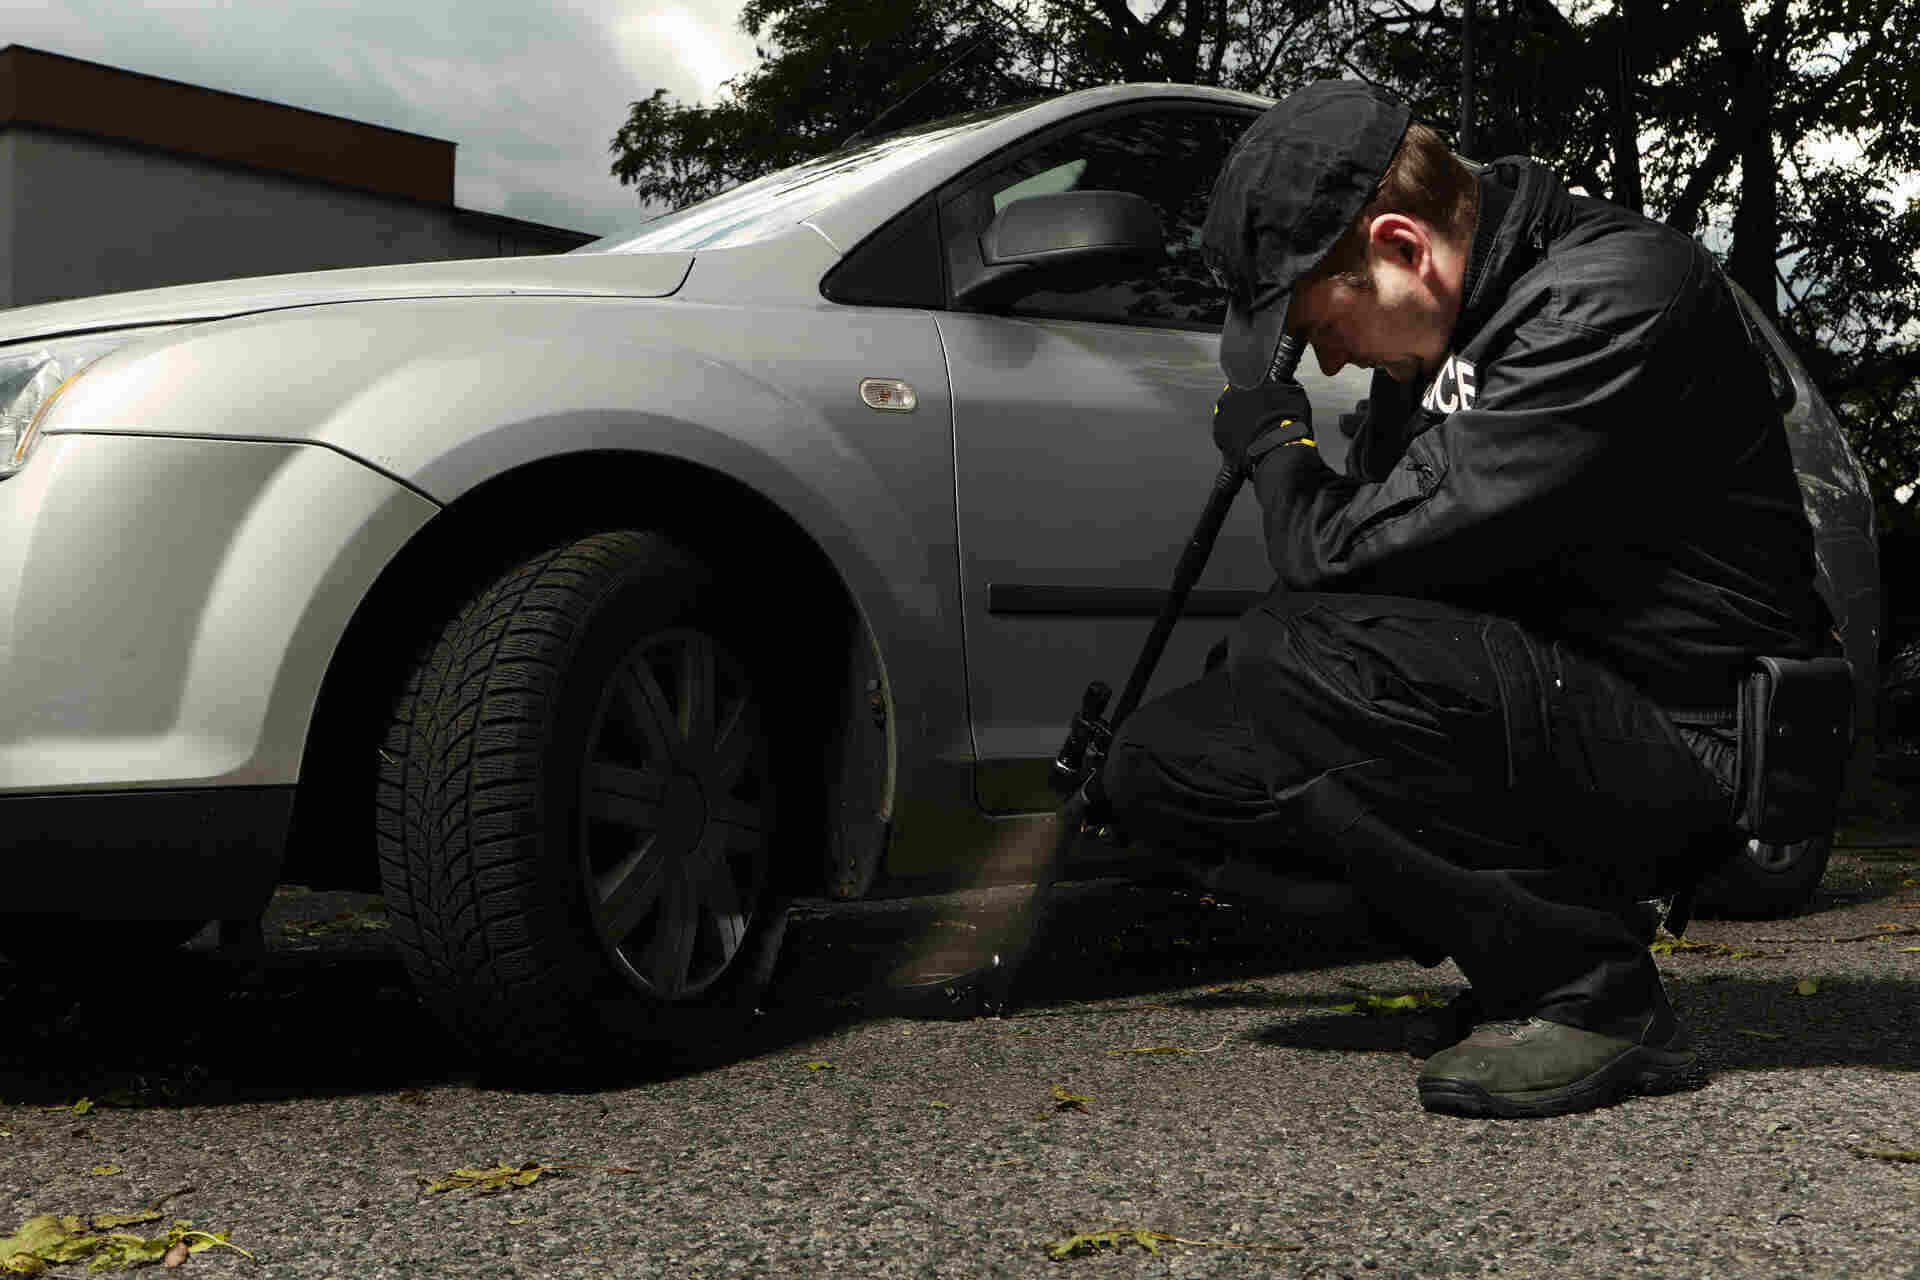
x=113, y=180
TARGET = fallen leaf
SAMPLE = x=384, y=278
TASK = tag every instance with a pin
x=1064, y=1101
x=1667, y=944
x=345, y=922
x=496, y=1179
x=1806, y=987
x=104, y=1170
x=1884, y=1153
x=51, y=1239
x=940, y=1106
x=1910, y=948
x=1092, y=1241
x=1086, y=1242
x=1173, y=1048
x=1763, y=1035
x=819, y=1066
x=1372, y=1005
x=1670, y=945
x=79, y=1108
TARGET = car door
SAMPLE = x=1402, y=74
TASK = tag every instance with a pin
x=1082, y=445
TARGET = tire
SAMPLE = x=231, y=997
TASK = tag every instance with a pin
x=1765, y=881
x=575, y=811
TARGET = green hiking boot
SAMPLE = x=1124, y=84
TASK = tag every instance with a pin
x=1533, y=1067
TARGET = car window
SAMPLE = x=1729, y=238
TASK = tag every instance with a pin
x=769, y=205
x=1168, y=157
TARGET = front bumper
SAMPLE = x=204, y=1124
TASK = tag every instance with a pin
x=207, y=854
x=168, y=607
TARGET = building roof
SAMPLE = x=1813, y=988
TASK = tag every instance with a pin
x=53, y=91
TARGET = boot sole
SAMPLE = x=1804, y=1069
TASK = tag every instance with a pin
x=1641, y=1069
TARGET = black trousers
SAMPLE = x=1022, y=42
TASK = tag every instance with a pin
x=1487, y=794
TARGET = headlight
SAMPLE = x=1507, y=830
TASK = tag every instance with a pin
x=32, y=378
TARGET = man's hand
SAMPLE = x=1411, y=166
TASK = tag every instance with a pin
x=1247, y=424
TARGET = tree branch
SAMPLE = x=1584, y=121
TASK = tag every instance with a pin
x=1900, y=368
x=1851, y=71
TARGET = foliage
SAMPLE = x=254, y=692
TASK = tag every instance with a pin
x=1786, y=133
x=494, y=1180
x=1373, y=1005
x=51, y=1239
x=1083, y=1243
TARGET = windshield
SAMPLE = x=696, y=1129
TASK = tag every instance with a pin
x=768, y=205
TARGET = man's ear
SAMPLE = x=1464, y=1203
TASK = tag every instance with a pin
x=1402, y=240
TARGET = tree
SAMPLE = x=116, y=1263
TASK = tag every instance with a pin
x=1786, y=133
x=829, y=67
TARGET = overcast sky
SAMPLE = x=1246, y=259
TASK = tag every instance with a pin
x=531, y=90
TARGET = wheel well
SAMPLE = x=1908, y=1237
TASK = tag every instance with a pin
x=465, y=546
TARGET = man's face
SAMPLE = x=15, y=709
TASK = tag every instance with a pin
x=1401, y=323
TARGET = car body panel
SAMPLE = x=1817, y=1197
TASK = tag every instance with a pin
x=445, y=394
x=168, y=607
x=1083, y=459
x=615, y=276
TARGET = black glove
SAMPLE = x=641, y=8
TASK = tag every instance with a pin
x=1247, y=424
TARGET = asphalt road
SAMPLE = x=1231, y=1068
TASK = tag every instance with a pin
x=1181, y=1069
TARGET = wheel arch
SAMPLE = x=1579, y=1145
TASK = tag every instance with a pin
x=842, y=689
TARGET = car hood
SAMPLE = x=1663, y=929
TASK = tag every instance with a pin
x=627, y=275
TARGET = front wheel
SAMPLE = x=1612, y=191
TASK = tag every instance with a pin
x=1765, y=881
x=576, y=810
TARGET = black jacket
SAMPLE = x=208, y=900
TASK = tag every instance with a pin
x=1600, y=459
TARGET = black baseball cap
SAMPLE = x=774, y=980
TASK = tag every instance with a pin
x=1290, y=188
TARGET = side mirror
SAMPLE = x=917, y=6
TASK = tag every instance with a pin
x=1064, y=229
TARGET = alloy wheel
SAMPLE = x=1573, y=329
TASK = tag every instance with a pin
x=674, y=825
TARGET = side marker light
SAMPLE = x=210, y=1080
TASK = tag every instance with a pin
x=890, y=395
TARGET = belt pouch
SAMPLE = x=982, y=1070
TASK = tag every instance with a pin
x=1796, y=729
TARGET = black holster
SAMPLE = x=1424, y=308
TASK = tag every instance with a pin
x=1795, y=724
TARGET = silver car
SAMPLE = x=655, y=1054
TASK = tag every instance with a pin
x=595, y=607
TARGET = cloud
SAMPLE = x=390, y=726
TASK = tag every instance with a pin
x=531, y=91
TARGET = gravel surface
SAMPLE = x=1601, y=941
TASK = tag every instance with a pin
x=1267, y=1130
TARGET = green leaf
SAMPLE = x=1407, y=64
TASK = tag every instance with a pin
x=104, y=1170
x=1174, y=1048
x=496, y=1179
x=1373, y=1005
x=345, y=922
x=1807, y=987
x=52, y=1239
x=35, y=1237
x=819, y=1066
x=1084, y=1242
x=1885, y=1153
x=1064, y=1101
